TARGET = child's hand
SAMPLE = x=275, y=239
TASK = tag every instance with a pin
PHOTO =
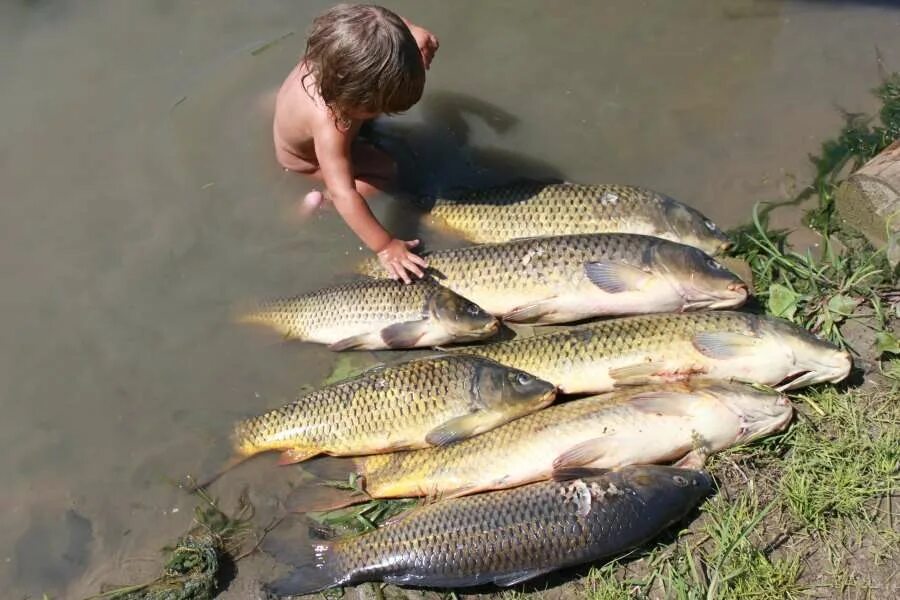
x=397, y=260
x=427, y=42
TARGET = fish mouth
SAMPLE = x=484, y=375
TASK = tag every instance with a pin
x=764, y=426
x=484, y=331
x=736, y=294
x=818, y=373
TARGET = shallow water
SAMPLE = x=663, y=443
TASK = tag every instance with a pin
x=141, y=203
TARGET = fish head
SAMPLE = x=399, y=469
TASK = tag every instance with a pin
x=814, y=360
x=460, y=317
x=496, y=387
x=658, y=485
x=701, y=281
x=692, y=228
x=759, y=411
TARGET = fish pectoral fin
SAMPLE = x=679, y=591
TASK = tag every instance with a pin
x=519, y=576
x=669, y=403
x=572, y=473
x=615, y=278
x=530, y=313
x=464, y=427
x=294, y=455
x=634, y=374
x=356, y=342
x=581, y=454
x=404, y=335
x=724, y=344
x=695, y=459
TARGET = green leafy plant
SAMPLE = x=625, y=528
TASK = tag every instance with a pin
x=819, y=293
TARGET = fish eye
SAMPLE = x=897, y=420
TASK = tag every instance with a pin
x=680, y=481
x=710, y=225
x=523, y=378
x=713, y=264
x=472, y=310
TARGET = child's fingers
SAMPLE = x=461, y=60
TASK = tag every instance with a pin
x=417, y=259
x=412, y=268
x=411, y=243
x=403, y=275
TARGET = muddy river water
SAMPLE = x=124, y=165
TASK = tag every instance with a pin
x=141, y=203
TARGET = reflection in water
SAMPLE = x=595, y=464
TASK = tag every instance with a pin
x=142, y=202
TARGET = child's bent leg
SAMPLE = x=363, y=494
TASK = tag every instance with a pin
x=374, y=169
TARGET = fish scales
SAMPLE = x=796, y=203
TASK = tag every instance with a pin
x=509, y=536
x=573, y=355
x=394, y=407
x=376, y=313
x=347, y=306
x=489, y=459
x=530, y=209
x=369, y=410
x=555, y=277
x=642, y=424
x=656, y=348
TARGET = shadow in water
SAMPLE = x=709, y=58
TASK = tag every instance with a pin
x=436, y=155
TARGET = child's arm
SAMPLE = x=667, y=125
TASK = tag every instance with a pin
x=333, y=152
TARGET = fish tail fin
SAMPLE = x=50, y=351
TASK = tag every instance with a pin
x=238, y=451
x=265, y=315
x=203, y=482
x=337, y=486
x=316, y=567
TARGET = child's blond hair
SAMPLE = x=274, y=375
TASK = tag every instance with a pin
x=364, y=58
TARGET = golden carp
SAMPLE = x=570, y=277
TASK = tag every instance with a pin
x=631, y=426
x=567, y=278
x=533, y=209
x=503, y=537
x=722, y=345
x=373, y=314
x=423, y=402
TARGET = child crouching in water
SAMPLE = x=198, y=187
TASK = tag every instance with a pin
x=360, y=62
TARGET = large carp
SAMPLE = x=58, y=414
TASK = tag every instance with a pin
x=423, y=402
x=568, y=278
x=531, y=209
x=631, y=426
x=505, y=537
x=374, y=314
x=722, y=345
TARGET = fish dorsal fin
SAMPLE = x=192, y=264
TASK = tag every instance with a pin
x=582, y=454
x=572, y=473
x=615, y=278
x=722, y=345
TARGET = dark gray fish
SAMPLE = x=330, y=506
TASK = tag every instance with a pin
x=510, y=536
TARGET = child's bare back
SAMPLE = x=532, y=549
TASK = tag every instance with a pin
x=360, y=62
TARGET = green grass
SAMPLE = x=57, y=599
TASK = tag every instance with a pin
x=822, y=292
x=796, y=516
x=844, y=454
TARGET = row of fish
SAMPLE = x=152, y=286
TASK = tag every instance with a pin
x=447, y=398
x=524, y=487
x=617, y=251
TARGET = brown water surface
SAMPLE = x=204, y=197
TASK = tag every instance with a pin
x=141, y=203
